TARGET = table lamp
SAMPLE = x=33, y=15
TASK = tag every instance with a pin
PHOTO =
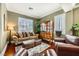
x=10, y=29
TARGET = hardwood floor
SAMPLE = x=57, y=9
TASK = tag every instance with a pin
x=10, y=50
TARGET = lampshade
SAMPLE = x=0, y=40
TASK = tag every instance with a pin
x=10, y=27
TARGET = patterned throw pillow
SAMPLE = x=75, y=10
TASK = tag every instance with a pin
x=31, y=34
x=17, y=35
x=26, y=35
x=21, y=35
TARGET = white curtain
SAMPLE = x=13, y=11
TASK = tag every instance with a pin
x=59, y=23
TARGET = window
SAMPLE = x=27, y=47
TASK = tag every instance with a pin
x=25, y=25
x=59, y=23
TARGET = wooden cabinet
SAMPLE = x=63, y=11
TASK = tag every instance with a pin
x=47, y=34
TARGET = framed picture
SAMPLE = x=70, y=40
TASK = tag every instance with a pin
x=5, y=25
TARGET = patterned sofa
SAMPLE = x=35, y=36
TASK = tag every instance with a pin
x=19, y=37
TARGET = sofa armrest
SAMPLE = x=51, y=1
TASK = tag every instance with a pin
x=67, y=49
x=71, y=46
x=15, y=38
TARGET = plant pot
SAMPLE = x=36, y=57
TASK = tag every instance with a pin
x=58, y=33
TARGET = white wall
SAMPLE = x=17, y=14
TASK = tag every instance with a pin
x=2, y=31
x=0, y=26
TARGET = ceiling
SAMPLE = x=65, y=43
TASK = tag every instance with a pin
x=36, y=10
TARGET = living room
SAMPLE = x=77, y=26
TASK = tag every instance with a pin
x=39, y=29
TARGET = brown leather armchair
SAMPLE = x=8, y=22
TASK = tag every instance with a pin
x=69, y=48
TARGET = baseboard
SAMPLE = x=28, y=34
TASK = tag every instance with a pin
x=5, y=47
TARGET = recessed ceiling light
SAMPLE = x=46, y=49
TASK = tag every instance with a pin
x=30, y=8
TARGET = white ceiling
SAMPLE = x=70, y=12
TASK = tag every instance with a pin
x=39, y=9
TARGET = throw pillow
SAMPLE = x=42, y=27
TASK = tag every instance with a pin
x=31, y=34
x=21, y=35
x=26, y=35
x=72, y=39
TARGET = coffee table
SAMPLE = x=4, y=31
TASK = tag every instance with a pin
x=38, y=49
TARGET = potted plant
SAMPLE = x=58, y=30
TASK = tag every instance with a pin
x=75, y=29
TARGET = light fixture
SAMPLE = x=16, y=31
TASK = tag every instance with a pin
x=10, y=28
x=30, y=8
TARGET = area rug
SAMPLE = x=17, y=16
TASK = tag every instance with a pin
x=37, y=49
x=18, y=48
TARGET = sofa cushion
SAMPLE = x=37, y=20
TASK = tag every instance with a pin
x=72, y=39
x=32, y=37
x=17, y=34
x=23, y=39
